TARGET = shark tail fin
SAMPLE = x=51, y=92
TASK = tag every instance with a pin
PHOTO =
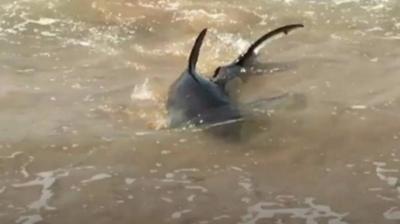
x=251, y=51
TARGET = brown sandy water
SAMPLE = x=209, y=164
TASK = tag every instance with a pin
x=82, y=91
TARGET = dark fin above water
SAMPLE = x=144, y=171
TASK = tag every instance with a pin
x=194, y=54
x=251, y=50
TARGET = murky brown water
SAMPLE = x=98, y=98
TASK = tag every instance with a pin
x=82, y=90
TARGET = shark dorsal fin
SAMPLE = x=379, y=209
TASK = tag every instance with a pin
x=194, y=54
x=251, y=50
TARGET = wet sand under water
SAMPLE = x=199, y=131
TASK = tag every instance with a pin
x=82, y=91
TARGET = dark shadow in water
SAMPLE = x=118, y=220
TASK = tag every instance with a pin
x=255, y=119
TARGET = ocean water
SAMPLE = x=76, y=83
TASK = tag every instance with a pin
x=83, y=135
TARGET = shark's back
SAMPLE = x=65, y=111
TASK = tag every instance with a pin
x=199, y=102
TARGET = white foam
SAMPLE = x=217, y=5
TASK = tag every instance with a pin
x=393, y=37
x=288, y=1
x=129, y=181
x=384, y=175
x=310, y=212
x=246, y=185
x=48, y=34
x=339, y=2
x=97, y=177
x=236, y=168
x=43, y=21
x=186, y=170
x=221, y=217
x=200, y=188
x=12, y=156
x=191, y=198
x=24, y=172
x=192, y=15
x=178, y=214
x=46, y=180
x=165, y=5
x=392, y=214
x=359, y=107
x=168, y=200
x=374, y=7
x=29, y=219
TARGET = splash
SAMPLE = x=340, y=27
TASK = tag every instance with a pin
x=155, y=119
x=239, y=44
x=143, y=92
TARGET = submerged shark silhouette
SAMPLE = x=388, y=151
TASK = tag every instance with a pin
x=196, y=100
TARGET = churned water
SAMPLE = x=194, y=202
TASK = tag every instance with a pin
x=82, y=120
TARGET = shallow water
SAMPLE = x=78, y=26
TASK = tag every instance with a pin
x=82, y=89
